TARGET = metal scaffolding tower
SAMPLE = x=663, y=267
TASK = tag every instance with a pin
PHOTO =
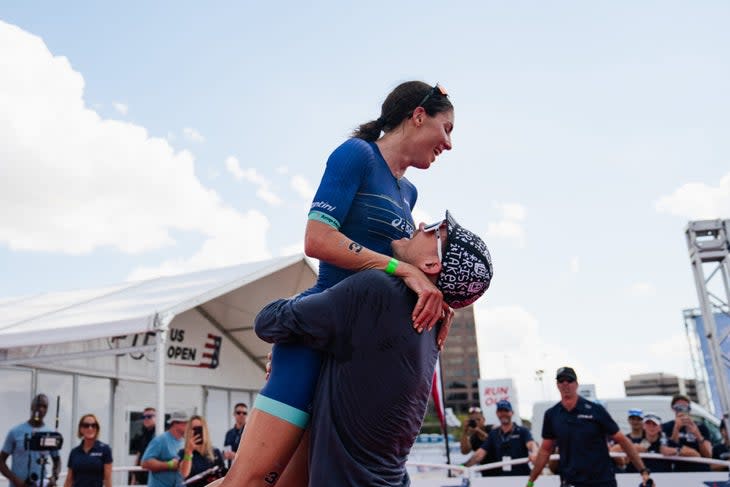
x=708, y=242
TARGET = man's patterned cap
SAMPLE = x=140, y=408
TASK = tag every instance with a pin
x=466, y=266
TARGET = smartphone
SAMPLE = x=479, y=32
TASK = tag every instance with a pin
x=198, y=433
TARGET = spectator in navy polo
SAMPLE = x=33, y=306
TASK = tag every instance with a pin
x=691, y=439
x=506, y=442
x=233, y=435
x=654, y=441
x=636, y=422
x=580, y=429
x=90, y=463
x=721, y=451
x=636, y=434
x=139, y=444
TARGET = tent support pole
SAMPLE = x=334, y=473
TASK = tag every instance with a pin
x=161, y=339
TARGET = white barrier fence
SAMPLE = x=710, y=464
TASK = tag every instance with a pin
x=437, y=475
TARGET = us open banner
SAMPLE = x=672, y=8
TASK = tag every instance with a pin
x=187, y=346
x=193, y=349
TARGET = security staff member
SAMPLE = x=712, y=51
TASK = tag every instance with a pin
x=508, y=441
x=580, y=429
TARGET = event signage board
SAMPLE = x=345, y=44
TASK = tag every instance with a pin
x=492, y=391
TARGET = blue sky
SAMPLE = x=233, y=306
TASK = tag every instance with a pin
x=146, y=137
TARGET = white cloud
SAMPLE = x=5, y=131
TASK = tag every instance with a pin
x=698, y=201
x=120, y=107
x=510, y=346
x=230, y=242
x=510, y=225
x=302, y=187
x=253, y=176
x=282, y=170
x=574, y=265
x=234, y=167
x=642, y=289
x=193, y=135
x=73, y=182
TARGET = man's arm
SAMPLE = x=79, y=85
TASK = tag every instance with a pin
x=155, y=465
x=319, y=321
x=477, y=457
x=465, y=442
x=629, y=449
x=701, y=432
x=9, y=474
x=543, y=455
x=532, y=450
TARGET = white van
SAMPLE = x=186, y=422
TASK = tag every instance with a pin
x=618, y=409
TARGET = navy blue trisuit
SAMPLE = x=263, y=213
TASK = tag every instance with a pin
x=360, y=197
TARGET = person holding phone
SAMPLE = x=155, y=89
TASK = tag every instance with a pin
x=200, y=462
x=692, y=439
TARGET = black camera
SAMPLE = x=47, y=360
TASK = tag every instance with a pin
x=472, y=423
x=44, y=441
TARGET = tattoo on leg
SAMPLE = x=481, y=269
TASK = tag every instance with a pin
x=355, y=247
x=271, y=478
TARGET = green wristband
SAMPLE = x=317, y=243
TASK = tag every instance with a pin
x=391, y=267
x=530, y=483
x=187, y=458
x=171, y=464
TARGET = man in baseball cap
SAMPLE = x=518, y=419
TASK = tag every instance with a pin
x=376, y=374
x=161, y=455
x=579, y=428
x=506, y=442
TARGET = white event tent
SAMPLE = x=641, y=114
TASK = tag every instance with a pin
x=187, y=337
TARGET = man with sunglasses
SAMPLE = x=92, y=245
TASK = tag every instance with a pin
x=233, y=435
x=139, y=444
x=375, y=380
x=693, y=439
x=507, y=441
x=580, y=429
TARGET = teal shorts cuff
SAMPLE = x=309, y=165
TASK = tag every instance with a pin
x=290, y=414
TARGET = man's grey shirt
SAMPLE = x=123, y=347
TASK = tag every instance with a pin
x=375, y=379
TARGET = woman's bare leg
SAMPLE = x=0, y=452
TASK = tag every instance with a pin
x=296, y=473
x=267, y=445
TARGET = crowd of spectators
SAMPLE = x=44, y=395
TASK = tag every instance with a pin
x=185, y=454
x=674, y=438
x=182, y=455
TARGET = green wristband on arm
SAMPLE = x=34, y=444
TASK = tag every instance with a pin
x=530, y=483
x=171, y=464
x=391, y=267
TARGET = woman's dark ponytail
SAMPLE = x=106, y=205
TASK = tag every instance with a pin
x=398, y=106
